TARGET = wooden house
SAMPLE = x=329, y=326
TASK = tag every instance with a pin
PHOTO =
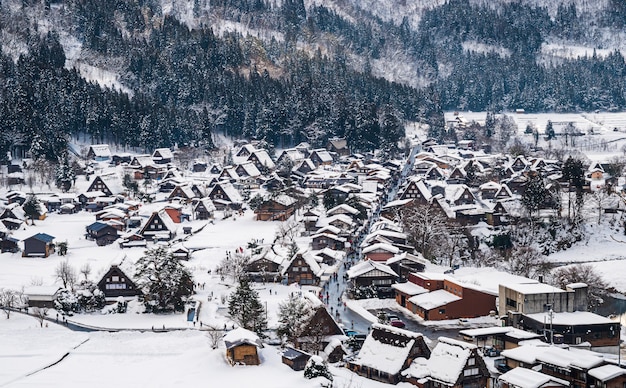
x=303, y=268
x=182, y=193
x=98, y=184
x=380, y=252
x=159, y=226
x=386, y=352
x=204, y=209
x=264, y=267
x=529, y=378
x=371, y=273
x=245, y=150
x=115, y=283
x=101, y=232
x=224, y=194
x=99, y=152
x=41, y=244
x=608, y=376
x=162, y=156
x=262, y=160
x=320, y=241
x=242, y=347
x=338, y=145
x=452, y=364
x=321, y=157
x=418, y=190
x=277, y=208
x=295, y=359
x=9, y=244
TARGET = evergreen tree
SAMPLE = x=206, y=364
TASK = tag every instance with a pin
x=316, y=367
x=32, y=208
x=64, y=174
x=550, y=130
x=534, y=194
x=165, y=282
x=245, y=308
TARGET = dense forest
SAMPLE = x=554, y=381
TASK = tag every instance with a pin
x=308, y=78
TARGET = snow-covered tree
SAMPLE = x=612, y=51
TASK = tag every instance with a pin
x=316, y=367
x=245, y=308
x=64, y=173
x=294, y=315
x=164, y=280
x=234, y=265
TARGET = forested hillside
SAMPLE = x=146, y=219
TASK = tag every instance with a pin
x=290, y=71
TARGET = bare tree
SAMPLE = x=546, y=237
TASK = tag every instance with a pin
x=600, y=198
x=66, y=274
x=40, y=313
x=582, y=273
x=528, y=262
x=10, y=299
x=85, y=270
x=287, y=231
x=215, y=336
x=424, y=225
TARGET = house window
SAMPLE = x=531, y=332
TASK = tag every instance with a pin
x=442, y=311
x=296, y=269
x=471, y=361
x=115, y=279
x=578, y=340
x=470, y=372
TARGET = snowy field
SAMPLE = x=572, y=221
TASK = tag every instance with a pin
x=127, y=359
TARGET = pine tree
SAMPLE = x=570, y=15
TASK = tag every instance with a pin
x=164, y=281
x=32, y=208
x=534, y=194
x=550, y=130
x=64, y=173
x=245, y=308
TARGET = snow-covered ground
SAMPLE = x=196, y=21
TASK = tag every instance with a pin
x=174, y=359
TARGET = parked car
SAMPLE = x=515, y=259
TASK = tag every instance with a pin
x=355, y=334
x=395, y=321
x=490, y=351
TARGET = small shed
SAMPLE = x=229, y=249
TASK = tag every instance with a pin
x=295, y=359
x=42, y=296
x=241, y=347
x=41, y=244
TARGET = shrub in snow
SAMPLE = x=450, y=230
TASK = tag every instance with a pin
x=316, y=367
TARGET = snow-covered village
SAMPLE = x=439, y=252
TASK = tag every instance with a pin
x=313, y=193
x=450, y=266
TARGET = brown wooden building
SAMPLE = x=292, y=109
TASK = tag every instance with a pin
x=242, y=347
x=115, y=283
x=278, y=208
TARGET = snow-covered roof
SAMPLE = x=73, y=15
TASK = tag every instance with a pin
x=577, y=358
x=264, y=158
x=383, y=247
x=101, y=150
x=367, y=266
x=250, y=169
x=342, y=209
x=386, y=357
x=534, y=288
x=164, y=153
x=446, y=361
x=574, y=318
x=241, y=336
x=528, y=378
x=409, y=288
x=284, y=200
x=608, y=372
x=434, y=299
